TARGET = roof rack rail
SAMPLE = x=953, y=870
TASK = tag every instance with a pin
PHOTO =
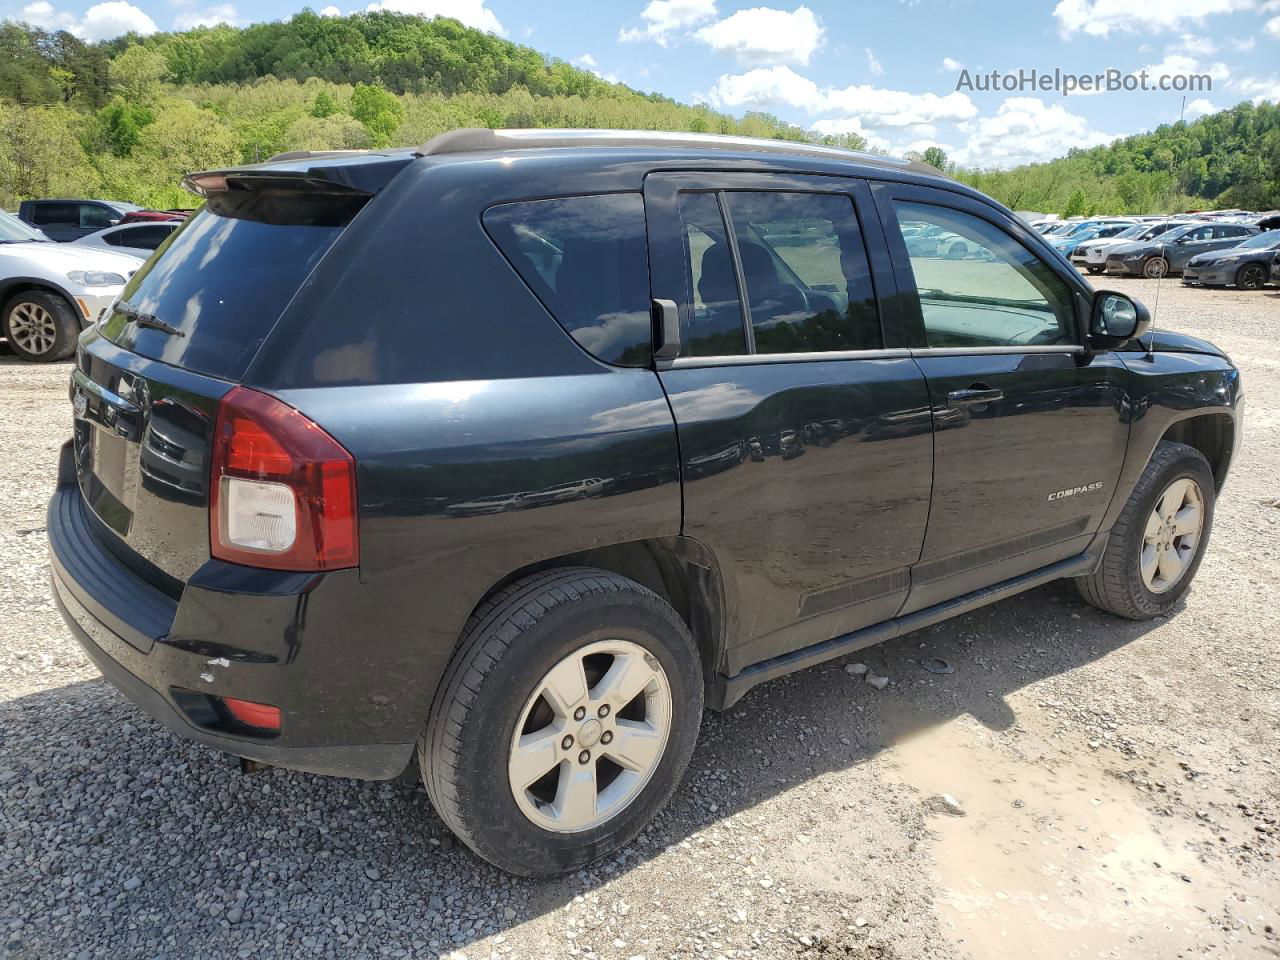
x=482, y=139
x=308, y=154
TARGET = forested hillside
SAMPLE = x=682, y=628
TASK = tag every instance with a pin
x=1225, y=160
x=128, y=118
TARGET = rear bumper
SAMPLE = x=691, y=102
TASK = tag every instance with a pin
x=173, y=657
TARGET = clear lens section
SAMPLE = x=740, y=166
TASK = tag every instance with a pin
x=258, y=516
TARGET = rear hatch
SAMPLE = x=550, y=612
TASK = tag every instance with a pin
x=148, y=379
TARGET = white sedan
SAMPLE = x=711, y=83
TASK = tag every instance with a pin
x=50, y=291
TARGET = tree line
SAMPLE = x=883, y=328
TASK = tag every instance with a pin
x=127, y=118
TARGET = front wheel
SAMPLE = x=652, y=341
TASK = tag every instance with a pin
x=40, y=326
x=1252, y=276
x=1155, y=268
x=1159, y=540
x=565, y=720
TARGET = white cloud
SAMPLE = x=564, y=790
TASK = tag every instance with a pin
x=1099, y=18
x=1178, y=64
x=472, y=13
x=1199, y=107
x=1025, y=130
x=897, y=108
x=952, y=65
x=1259, y=88
x=1244, y=45
x=763, y=35
x=588, y=62
x=841, y=126
x=1195, y=45
x=765, y=87
x=1273, y=27
x=330, y=12
x=211, y=17
x=102, y=21
x=873, y=64
x=662, y=18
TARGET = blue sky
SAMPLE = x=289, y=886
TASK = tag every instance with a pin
x=887, y=70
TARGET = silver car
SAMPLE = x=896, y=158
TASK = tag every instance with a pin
x=50, y=291
x=136, y=239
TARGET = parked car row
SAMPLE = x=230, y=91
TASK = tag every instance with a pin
x=1208, y=249
x=50, y=291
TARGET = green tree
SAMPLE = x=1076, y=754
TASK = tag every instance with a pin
x=324, y=105
x=120, y=125
x=936, y=157
x=138, y=74
x=380, y=112
x=1077, y=204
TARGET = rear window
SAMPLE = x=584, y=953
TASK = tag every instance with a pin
x=586, y=259
x=226, y=275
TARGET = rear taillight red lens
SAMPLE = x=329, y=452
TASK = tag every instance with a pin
x=282, y=492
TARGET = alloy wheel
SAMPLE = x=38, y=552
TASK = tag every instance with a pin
x=1155, y=268
x=1172, y=535
x=1251, y=277
x=590, y=736
x=32, y=328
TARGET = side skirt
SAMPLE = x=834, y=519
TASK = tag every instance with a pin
x=725, y=691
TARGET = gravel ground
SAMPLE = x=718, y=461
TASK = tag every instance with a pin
x=1080, y=786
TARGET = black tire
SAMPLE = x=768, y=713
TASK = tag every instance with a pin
x=957, y=251
x=1117, y=586
x=1155, y=268
x=1252, y=276
x=66, y=326
x=1096, y=270
x=512, y=641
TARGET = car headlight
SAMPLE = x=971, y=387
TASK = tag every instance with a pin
x=1227, y=259
x=95, y=278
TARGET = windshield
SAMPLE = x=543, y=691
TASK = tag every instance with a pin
x=1261, y=240
x=13, y=230
x=1137, y=230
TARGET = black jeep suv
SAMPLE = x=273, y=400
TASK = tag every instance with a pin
x=520, y=448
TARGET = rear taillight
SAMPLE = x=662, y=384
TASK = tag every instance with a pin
x=283, y=492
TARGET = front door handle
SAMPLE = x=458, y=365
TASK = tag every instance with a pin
x=977, y=393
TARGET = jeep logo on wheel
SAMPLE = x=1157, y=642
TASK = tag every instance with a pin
x=1076, y=491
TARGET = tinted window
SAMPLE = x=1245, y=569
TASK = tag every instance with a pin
x=711, y=288
x=806, y=272
x=95, y=217
x=55, y=213
x=586, y=259
x=978, y=286
x=1198, y=233
x=227, y=276
x=147, y=238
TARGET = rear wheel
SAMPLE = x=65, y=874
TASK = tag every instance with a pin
x=1252, y=276
x=565, y=720
x=1157, y=543
x=1155, y=268
x=40, y=326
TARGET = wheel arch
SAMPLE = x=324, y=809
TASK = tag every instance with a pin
x=681, y=570
x=11, y=286
x=1213, y=434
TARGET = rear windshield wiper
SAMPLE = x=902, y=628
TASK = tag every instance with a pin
x=142, y=319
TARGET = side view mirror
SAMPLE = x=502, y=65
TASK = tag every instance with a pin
x=114, y=222
x=1118, y=317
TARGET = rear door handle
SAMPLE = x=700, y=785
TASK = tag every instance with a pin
x=978, y=393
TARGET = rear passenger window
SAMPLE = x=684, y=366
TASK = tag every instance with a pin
x=94, y=217
x=806, y=272
x=47, y=214
x=586, y=259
